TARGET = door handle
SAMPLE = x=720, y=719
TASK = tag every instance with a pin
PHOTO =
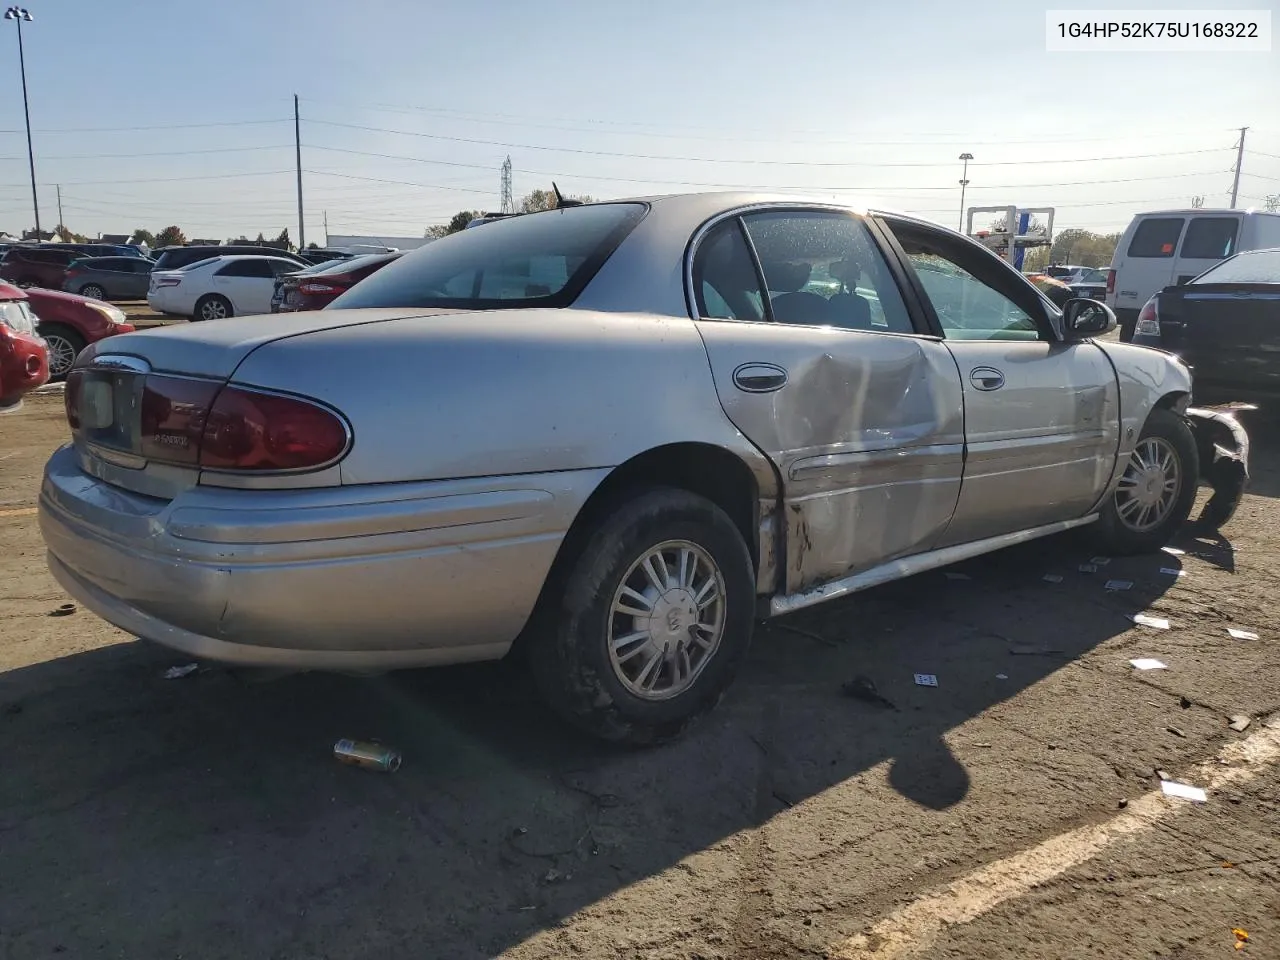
x=986, y=378
x=759, y=377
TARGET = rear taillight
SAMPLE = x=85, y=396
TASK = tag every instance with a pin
x=71, y=397
x=1111, y=282
x=74, y=271
x=1148, y=320
x=250, y=430
x=316, y=286
x=167, y=281
x=173, y=414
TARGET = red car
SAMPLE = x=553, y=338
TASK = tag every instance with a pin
x=37, y=266
x=24, y=362
x=69, y=323
x=314, y=289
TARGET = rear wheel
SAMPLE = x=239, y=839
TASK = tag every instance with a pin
x=64, y=345
x=213, y=307
x=1156, y=492
x=653, y=618
x=93, y=291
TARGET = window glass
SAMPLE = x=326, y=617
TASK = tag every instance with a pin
x=725, y=283
x=1156, y=237
x=968, y=308
x=541, y=259
x=824, y=269
x=1210, y=238
x=257, y=269
x=1257, y=266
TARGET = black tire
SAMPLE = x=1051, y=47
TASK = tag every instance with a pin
x=94, y=291
x=212, y=307
x=64, y=346
x=569, y=645
x=1118, y=537
x=25, y=282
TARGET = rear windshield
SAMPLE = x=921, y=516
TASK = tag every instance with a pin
x=1156, y=237
x=1257, y=266
x=538, y=260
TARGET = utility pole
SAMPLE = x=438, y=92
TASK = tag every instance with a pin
x=297, y=146
x=1235, y=184
x=61, y=222
x=964, y=182
x=326, y=228
x=18, y=14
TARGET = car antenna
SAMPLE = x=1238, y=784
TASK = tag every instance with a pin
x=561, y=201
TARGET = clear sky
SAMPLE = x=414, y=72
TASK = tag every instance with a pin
x=150, y=113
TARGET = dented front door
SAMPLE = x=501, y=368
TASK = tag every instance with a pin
x=866, y=431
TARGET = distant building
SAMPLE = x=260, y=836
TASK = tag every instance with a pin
x=337, y=242
x=119, y=239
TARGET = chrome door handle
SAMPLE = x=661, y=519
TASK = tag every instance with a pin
x=759, y=377
x=986, y=378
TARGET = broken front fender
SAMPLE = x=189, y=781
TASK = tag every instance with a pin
x=1223, y=445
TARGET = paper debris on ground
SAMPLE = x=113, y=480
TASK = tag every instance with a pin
x=1241, y=634
x=1053, y=578
x=1087, y=568
x=952, y=575
x=1119, y=585
x=1172, y=788
x=1148, y=621
x=1100, y=561
x=1148, y=663
x=1173, y=572
x=1240, y=723
x=1002, y=676
x=926, y=680
x=1174, y=551
x=175, y=673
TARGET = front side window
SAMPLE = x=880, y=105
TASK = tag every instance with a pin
x=1156, y=238
x=1210, y=238
x=823, y=268
x=538, y=260
x=969, y=294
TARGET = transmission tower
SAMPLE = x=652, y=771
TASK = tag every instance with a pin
x=508, y=204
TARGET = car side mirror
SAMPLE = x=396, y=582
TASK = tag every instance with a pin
x=1083, y=318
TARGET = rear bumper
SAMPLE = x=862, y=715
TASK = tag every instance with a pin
x=347, y=578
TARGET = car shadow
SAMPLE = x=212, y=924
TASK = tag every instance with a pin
x=143, y=816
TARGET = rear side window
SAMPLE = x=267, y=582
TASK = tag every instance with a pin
x=1210, y=238
x=1156, y=237
x=1260, y=266
x=258, y=269
x=538, y=260
x=725, y=283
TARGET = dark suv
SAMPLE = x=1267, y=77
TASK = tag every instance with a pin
x=37, y=266
x=175, y=258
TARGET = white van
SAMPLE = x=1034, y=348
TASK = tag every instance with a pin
x=1170, y=247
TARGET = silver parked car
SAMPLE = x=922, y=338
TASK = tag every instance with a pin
x=611, y=436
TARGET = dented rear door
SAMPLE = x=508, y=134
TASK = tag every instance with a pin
x=862, y=418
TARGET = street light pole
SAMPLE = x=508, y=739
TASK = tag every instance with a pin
x=964, y=182
x=18, y=14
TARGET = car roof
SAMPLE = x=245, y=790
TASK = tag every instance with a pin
x=249, y=256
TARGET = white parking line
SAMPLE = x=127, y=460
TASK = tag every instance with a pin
x=914, y=928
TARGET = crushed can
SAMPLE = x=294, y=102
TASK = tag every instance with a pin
x=374, y=756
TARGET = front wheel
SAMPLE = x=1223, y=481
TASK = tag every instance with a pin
x=655, y=615
x=1156, y=492
x=64, y=345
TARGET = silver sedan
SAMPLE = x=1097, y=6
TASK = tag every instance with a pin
x=610, y=436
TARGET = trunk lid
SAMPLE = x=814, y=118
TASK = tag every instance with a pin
x=1229, y=333
x=137, y=405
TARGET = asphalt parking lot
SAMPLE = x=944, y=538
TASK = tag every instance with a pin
x=1012, y=811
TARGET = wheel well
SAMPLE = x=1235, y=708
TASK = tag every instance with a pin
x=700, y=468
x=1176, y=401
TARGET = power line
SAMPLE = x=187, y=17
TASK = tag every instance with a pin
x=161, y=153
x=774, y=133
x=165, y=126
x=779, y=163
x=210, y=176
x=738, y=186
